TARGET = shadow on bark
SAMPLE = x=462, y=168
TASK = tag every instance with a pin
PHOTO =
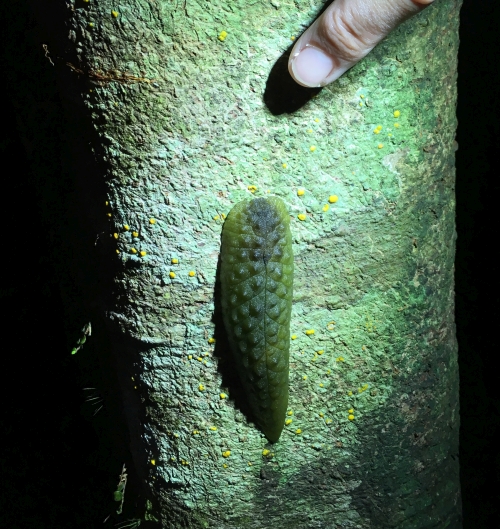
x=283, y=95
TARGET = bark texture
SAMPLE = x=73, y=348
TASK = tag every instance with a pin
x=192, y=111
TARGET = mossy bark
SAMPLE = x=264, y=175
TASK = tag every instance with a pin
x=186, y=120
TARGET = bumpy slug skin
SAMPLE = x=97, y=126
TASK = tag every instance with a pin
x=256, y=293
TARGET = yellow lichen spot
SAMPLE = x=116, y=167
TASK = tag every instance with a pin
x=351, y=410
x=117, y=252
x=321, y=351
x=142, y=253
x=86, y=1
x=227, y=453
x=224, y=465
x=316, y=120
x=191, y=273
x=152, y=221
x=339, y=359
x=115, y=14
x=222, y=36
x=284, y=165
x=133, y=250
x=321, y=385
x=190, y=357
x=135, y=234
x=196, y=432
x=91, y=24
x=107, y=203
x=309, y=130
x=266, y=452
x=172, y=275
x=201, y=387
x=360, y=390
x=293, y=337
x=321, y=414
x=397, y=125
x=298, y=431
x=211, y=340
x=365, y=387
x=312, y=148
x=362, y=96
x=300, y=192
x=216, y=217
x=328, y=421
x=328, y=371
x=349, y=393
x=126, y=227
x=331, y=326
x=115, y=235
x=109, y=215
x=332, y=199
x=304, y=377
x=380, y=146
x=200, y=359
x=153, y=462
x=301, y=216
x=222, y=395
x=172, y=458
x=360, y=104
x=326, y=207
x=174, y=260
x=288, y=422
x=289, y=413
x=252, y=189
x=213, y=428
x=350, y=417
x=309, y=332
x=397, y=113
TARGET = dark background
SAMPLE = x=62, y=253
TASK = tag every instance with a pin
x=57, y=468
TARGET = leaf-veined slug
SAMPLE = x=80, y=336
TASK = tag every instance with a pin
x=256, y=294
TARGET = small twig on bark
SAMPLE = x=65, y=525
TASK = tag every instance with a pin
x=110, y=76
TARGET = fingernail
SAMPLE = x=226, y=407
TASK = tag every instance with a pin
x=312, y=66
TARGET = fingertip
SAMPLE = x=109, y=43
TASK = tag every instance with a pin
x=345, y=33
x=311, y=66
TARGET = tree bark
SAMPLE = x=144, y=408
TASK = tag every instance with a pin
x=184, y=121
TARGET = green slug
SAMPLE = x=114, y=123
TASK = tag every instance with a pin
x=256, y=293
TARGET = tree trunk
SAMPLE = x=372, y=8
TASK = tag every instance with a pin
x=189, y=110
